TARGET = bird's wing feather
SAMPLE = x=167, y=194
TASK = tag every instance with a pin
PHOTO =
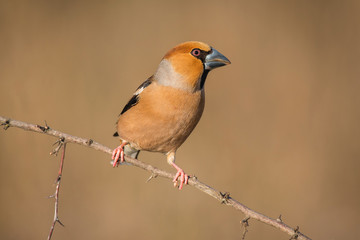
x=135, y=98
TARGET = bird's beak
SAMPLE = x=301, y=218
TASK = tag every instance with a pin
x=215, y=59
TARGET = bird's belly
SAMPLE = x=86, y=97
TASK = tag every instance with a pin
x=170, y=135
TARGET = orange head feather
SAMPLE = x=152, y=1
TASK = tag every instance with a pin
x=185, y=65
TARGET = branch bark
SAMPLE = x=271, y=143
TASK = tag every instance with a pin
x=221, y=197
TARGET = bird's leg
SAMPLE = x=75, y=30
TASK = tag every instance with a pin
x=118, y=153
x=180, y=173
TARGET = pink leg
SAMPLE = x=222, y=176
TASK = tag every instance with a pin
x=180, y=173
x=118, y=153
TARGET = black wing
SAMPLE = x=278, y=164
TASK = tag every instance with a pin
x=132, y=102
x=135, y=98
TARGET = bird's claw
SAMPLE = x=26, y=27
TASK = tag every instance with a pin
x=118, y=153
x=182, y=177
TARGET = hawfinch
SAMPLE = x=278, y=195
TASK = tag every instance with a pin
x=165, y=109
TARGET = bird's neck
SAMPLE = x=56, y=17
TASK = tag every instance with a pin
x=167, y=76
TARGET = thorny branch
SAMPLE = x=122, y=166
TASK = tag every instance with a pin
x=223, y=198
x=62, y=144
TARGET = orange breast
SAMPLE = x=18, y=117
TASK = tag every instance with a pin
x=163, y=118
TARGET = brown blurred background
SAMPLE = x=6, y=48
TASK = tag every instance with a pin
x=280, y=129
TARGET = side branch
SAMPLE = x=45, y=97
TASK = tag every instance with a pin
x=56, y=194
x=222, y=197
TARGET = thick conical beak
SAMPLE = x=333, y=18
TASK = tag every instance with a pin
x=215, y=59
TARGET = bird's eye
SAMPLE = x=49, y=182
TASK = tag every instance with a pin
x=196, y=52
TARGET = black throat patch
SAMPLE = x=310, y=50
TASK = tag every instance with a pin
x=203, y=78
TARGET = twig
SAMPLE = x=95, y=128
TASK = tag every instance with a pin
x=151, y=177
x=223, y=198
x=56, y=194
x=59, y=144
x=245, y=224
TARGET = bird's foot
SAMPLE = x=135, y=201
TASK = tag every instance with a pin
x=118, y=153
x=181, y=176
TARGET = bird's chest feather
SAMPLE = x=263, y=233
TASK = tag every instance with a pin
x=163, y=118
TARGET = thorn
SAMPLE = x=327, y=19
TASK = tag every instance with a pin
x=58, y=220
x=153, y=175
x=279, y=219
x=43, y=129
x=60, y=141
x=6, y=124
x=225, y=197
x=295, y=235
x=51, y=196
x=89, y=141
x=46, y=126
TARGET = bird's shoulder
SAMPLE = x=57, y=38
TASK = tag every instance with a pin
x=135, y=98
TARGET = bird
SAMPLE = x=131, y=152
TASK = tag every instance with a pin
x=166, y=108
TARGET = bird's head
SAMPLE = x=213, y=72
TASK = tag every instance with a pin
x=186, y=65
